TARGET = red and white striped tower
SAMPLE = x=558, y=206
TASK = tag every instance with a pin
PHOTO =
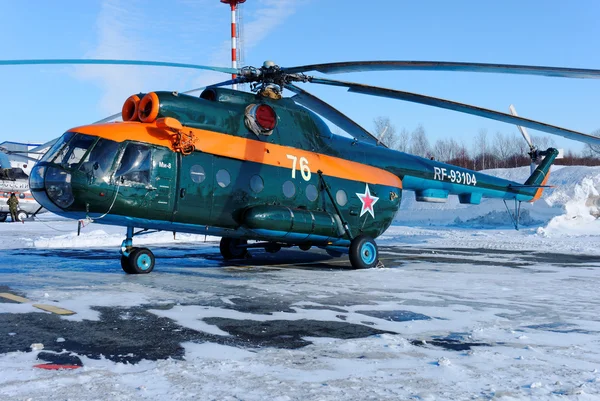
x=233, y=4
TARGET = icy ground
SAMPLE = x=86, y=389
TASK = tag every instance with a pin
x=466, y=308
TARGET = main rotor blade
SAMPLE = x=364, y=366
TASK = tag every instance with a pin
x=118, y=62
x=460, y=107
x=332, y=114
x=362, y=66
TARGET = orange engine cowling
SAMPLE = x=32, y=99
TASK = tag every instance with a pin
x=148, y=108
x=129, y=112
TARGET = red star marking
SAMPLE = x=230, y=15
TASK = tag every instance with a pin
x=368, y=201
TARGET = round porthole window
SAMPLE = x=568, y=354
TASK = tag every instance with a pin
x=223, y=178
x=197, y=173
x=22, y=195
x=289, y=189
x=311, y=192
x=256, y=183
x=341, y=197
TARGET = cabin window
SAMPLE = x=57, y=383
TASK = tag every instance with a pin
x=289, y=189
x=223, y=178
x=311, y=192
x=135, y=165
x=197, y=173
x=341, y=197
x=256, y=183
x=22, y=195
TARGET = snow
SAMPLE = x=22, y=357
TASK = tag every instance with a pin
x=536, y=324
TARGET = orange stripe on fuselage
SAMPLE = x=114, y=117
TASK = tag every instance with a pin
x=538, y=193
x=246, y=149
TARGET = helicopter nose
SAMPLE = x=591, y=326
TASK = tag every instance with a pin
x=51, y=187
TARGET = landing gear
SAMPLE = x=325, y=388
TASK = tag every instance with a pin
x=273, y=247
x=135, y=260
x=3, y=217
x=305, y=247
x=363, y=252
x=139, y=261
x=233, y=248
x=22, y=215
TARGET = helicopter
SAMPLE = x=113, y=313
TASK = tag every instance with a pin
x=16, y=161
x=258, y=166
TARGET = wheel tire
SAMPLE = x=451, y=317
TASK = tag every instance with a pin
x=273, y=248
x=125, y=265
x=305, y=247
x=363, y=252
x=3, y=217
x=22, y=215
x=141, y=261
x=230, y=248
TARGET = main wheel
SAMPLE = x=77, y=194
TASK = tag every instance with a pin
x=273, y=247
x=363, y=252
x=232, y=248
x=22, y=215
x=305, y=247
x=3, y=217
x=125, y=265
x=141, y=261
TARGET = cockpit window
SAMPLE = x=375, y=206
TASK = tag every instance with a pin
x=135, y=164
x=100, y=158
x=72, y=154
x=58, y=145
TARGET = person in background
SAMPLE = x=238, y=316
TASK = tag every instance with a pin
x=13, y=205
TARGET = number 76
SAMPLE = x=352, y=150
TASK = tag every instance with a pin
x=304, y=169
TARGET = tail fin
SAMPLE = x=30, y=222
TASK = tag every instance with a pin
x=542, y=173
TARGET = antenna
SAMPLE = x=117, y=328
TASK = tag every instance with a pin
x=234, y=33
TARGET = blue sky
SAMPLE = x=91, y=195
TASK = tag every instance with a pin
x=41, y=102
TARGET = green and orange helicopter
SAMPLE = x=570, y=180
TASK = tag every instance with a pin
x=263, y=167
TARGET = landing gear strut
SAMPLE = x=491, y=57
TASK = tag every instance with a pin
x=135, y=260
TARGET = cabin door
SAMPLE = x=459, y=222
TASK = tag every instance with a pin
x=163, y=181
x=195, y=190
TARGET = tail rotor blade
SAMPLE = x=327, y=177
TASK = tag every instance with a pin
x=523, y=130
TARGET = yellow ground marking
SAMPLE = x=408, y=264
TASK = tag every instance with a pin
x=12, y=297
x=54, y=309
x=48, y=308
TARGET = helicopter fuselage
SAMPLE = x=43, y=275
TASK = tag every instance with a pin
x=220, y=165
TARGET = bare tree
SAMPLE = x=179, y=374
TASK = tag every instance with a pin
x=593, y=149
x=419, y=144
x=481, y=148
x=543, y=142
x=403, y=140
x=445, y=149
x=386, y=132
x=502, y=148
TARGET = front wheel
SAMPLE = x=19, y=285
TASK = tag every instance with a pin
x=139, y=261
x=363, y=252
x=3, y=217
